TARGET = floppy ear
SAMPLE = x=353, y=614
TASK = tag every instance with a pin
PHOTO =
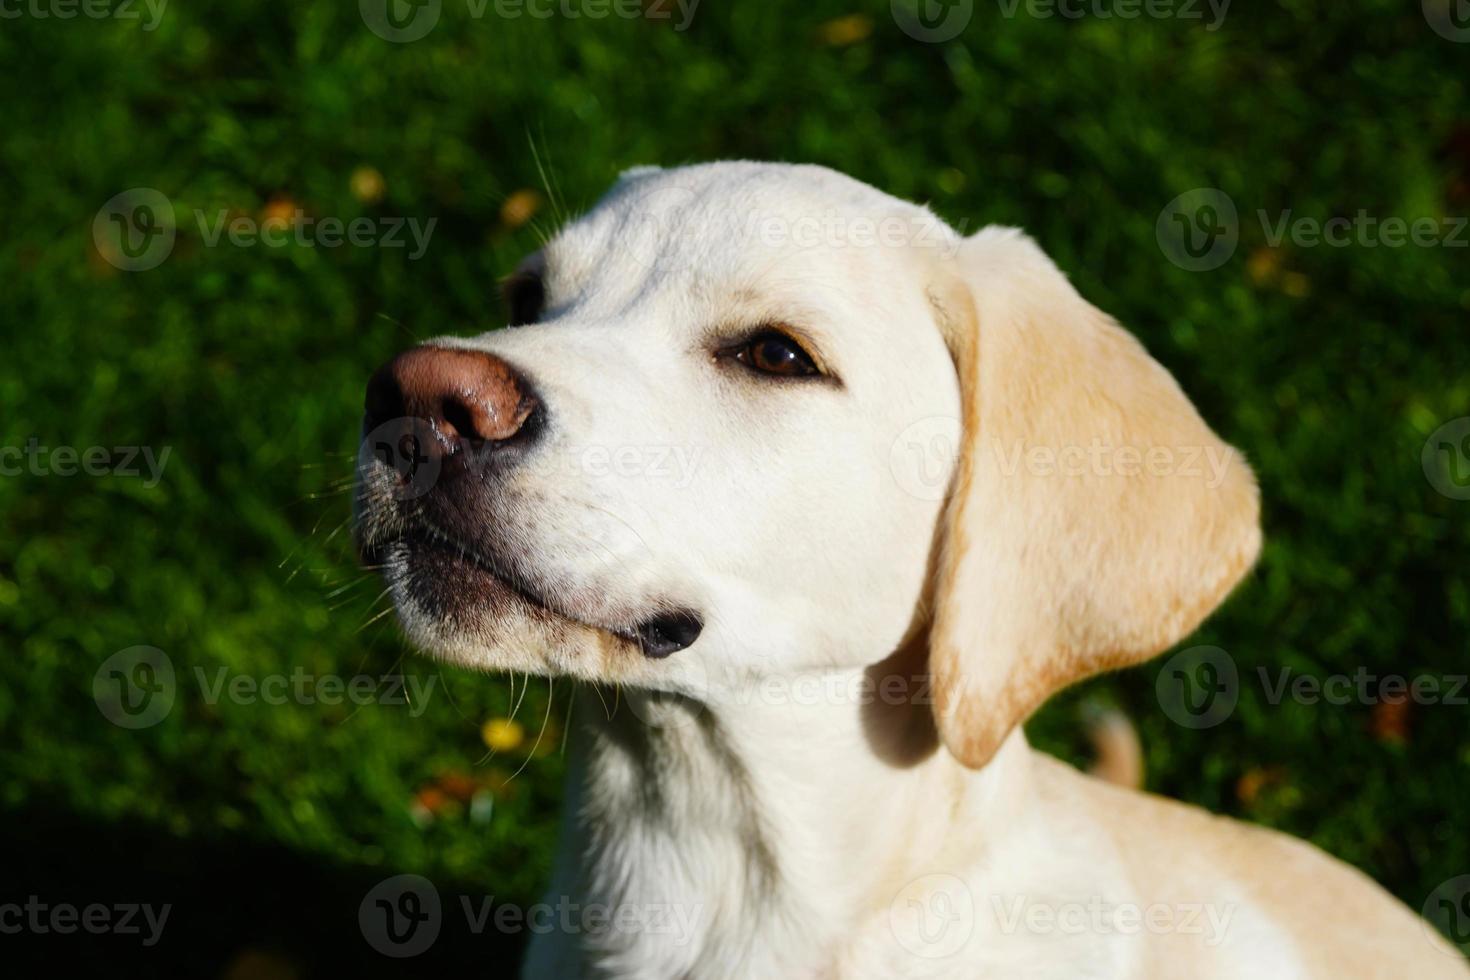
x=1094, y=518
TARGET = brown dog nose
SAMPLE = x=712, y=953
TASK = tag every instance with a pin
x=464, y=396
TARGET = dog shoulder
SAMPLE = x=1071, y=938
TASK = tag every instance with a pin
x=1277, y=899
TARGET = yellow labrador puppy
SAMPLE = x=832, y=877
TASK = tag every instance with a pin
x=821, y=499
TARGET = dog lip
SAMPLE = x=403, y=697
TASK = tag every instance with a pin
x=423, y=534
x=655, y=638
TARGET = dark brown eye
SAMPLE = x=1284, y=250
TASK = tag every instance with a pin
x=772, y=352
x=525, y=296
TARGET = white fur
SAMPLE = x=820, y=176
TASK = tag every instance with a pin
x=794, y=826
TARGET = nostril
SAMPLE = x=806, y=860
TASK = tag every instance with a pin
x=533, y=421
x=460, y=418
x=459, y=395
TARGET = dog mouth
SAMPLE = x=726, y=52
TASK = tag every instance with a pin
x=454, y=582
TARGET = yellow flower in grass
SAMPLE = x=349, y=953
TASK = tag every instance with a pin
x=503, y=734
x=519, y=207
x=367, y=184
x=842, y=31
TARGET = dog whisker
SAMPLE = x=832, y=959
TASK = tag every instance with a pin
x=545, y=719
x=377, y=617
x=550, y=187
x=339, y=590
x=597, y=690
x=515, y=702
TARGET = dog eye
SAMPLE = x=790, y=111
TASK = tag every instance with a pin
x=525, y=296
x=772, y=352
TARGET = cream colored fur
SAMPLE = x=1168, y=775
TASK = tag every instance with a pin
x=799, y=823
x=1050, y=577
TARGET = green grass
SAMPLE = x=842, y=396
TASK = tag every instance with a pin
x=1329, y=366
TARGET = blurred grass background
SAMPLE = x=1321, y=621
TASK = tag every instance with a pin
x=266, y=824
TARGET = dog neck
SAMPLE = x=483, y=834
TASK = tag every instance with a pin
x=752, y=835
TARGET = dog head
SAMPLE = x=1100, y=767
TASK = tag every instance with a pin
x=755, y=420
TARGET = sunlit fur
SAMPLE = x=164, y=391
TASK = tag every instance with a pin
x=798, y=833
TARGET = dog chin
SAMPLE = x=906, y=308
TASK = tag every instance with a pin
x=454, y=609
